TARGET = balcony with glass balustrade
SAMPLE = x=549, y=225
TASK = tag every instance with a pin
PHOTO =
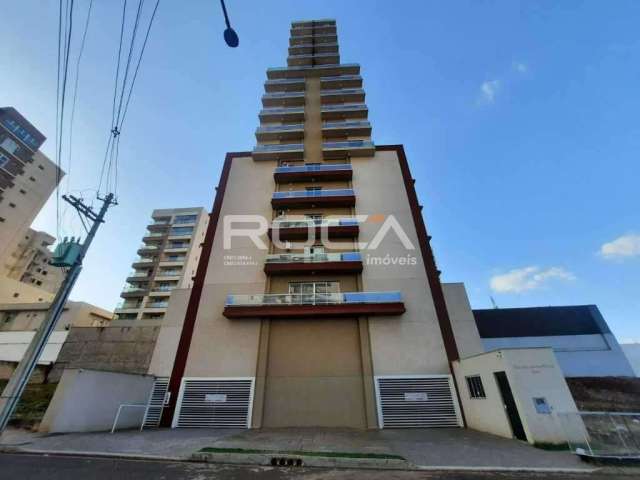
x=319, y=38
x=318, y=305
x=307, y=48
x=343, y=197
x=342, y=95
x=313, y=172
x=334, y=82
x=331, y=263
x=316, y=58
x=289, y=131
x=146, y=249
x=288, y=228
x=348, y=148
x=130, y=291
x=285, y=85
x=344, y=111
x=283, y=99
x=278, y=151
x=346, y=128
x=154, y=236
x=282, y=114
x=317, y=70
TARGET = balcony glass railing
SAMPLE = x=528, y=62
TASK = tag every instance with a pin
x=314, y=258
x=127, y=305
x=288, y=222
x=138, y=274
x=302, y=56
x=148, y=247
x=169, y=273
x=157, y=305
x=278, y=147
x=344, y=106
x=340, y=77
x=133, y=289
x=349, y=144
x=143, y=260
x=163, y=288
x=342, y=192
x=154, y=234
x=313, y=67
x=279, y=81
x=313, y=299
x=347, y=124
x=281, y=110
x=280, y=128
x=342, y=91
x=329, y=167
x=283, y=95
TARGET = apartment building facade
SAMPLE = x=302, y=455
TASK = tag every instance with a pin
x=168, y=257
x=29, y=263
x=27, y=179
x=317, y=301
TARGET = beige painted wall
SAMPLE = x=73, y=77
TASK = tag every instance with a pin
x=463, y=323
x=412, y=343
x=15, y=291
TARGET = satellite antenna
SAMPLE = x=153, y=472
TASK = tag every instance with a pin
x=230, y=35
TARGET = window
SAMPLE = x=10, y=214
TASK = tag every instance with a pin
x=9, y=145
x=315, y=217
x=476, y=389
x=185, y=219
x=24, y=192
x=314, y=292
x=40, y=167
x=12, y=205
x=181, y=231
x=32, y=179
x=3, y=159
x=542, y=406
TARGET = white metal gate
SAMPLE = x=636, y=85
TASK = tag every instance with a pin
x=157, y=400
x=214, y=402
x=418, y=401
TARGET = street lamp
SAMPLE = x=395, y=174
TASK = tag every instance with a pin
x=230, y=35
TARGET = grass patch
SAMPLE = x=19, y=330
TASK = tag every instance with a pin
x=246, y=451
x=32, y=405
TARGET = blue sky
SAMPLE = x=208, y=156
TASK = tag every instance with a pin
x=520, y=122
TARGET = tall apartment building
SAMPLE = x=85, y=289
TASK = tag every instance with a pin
x=27, y=179
x=167, y=260
x=331, y=313
x=29, y=263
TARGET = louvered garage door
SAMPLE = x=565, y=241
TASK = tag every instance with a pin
x=417, y=401
x=156, y=402
x=215, y=403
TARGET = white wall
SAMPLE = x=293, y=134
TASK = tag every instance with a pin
x=578, y=355
x=531, y=373
x=13, y=346
x=88, y=400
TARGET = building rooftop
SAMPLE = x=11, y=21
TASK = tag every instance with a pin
x=540, y=321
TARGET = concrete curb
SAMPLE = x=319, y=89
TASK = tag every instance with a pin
x=308, y=461
x=265, y=459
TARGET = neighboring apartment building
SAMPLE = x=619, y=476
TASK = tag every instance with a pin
x=579, y=336
x=167, y=260
x=29, y=263
x=347, y=330
x=27, y=179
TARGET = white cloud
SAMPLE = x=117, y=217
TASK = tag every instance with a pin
x=528, y=278
x=520, y=67
x=622, y=247
x=489, y=90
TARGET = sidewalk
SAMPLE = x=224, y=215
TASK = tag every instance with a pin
x=424, y=448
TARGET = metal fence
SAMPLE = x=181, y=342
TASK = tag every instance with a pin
x=602, y=434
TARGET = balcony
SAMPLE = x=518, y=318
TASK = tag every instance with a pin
x=284, y=115
x=356, y=128
x=168, y=274
x=314, y=264
x=142, y=249
x=350, y=148
x=290, y=228
x=279, y=151
x=285, y=85
x=318, y=70
x=308, y=48
x=294, y=131
x=130, y=291
x=306, y=173
x=144, y=261
x=309, y=59
x=161, y=291
x=283, y=99
x=158, y=225
x=138, y=277
x=316, y=38
x=311, y=23
x=154, y=236
x=330, y=305
x=305, y=30
x=344, y=110
x=345, y=197
x=341, y=81
x=127, y=307
x=156, y=305
x=342, y=95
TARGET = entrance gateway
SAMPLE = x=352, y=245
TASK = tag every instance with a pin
x=413, y=401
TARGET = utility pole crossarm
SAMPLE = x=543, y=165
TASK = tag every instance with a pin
x=18, y=382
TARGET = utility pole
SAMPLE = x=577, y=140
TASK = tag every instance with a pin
x=14, y=389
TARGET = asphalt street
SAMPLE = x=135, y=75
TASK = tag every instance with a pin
x=51, y=467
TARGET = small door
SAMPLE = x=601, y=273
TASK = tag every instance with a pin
x=510, y=406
